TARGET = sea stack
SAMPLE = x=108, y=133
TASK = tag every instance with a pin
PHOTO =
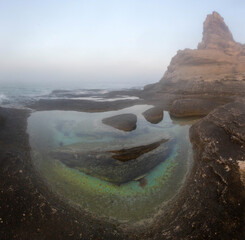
x=214, y=73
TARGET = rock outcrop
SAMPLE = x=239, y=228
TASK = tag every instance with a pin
x=190, y=107
x=216, y=69
x=125, y=122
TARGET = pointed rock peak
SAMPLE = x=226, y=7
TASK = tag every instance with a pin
x=216, y=33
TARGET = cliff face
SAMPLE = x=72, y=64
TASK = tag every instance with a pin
x=217, y=66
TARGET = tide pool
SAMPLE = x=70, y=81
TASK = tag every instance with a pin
x=131, y=201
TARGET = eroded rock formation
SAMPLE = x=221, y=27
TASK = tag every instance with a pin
x=216, y=69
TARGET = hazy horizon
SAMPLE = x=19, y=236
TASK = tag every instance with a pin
x=84, y=43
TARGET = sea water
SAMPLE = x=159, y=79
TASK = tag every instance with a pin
x=17, y=95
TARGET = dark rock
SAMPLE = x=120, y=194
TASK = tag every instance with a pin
x=81, y=105
x=126, y=122
x=219, y=143
x=115, y=166
x=2, y=121
x=133, y=153
x=153, y=115
x=194, y=107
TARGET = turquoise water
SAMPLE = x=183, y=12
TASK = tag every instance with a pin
x=131, y=201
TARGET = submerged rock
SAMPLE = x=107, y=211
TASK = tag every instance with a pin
x=2, y=121
x=133, y=153
x=125, y=122
x=116, y=166
x=153, y=115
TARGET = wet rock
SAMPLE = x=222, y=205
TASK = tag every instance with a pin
x=133, y=153
x=153, y=115
x=241, y=165
x=125, y=122
x=219, y=145
x=2, y=121
x=194, y=107
x=115, y=166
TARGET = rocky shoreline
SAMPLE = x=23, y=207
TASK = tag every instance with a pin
x=210, y=205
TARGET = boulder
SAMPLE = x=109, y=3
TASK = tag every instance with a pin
x=153, y=115
x=125, y=122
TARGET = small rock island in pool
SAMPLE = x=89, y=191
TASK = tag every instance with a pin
x=126, y=122
x=153, y=115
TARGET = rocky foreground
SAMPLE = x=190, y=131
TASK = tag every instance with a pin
x=210, y=205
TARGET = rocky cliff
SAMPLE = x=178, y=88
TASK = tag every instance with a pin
x=215, y=69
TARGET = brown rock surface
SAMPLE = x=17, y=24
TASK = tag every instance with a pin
x=125, y=122
x=191, y=107
x=216, y=68
x=128, y=154
x=153, y=115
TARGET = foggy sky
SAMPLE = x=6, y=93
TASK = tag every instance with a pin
x=109, y=41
